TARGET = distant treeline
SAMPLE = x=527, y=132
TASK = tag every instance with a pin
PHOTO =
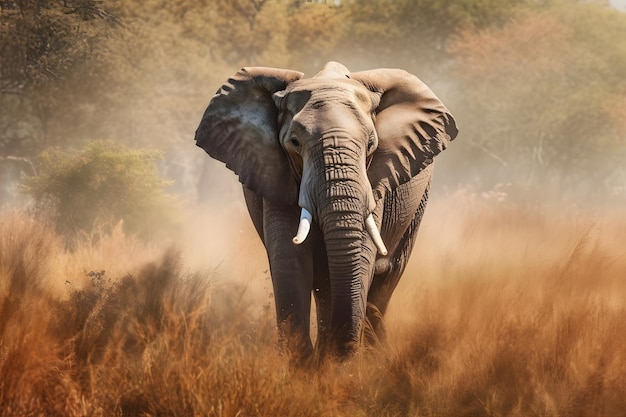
x=536, y=86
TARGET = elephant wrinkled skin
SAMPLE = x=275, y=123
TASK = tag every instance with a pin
x=351, y=155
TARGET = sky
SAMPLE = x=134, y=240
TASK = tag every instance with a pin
x=619, y=4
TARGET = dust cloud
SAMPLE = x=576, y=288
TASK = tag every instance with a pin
x=512, y=302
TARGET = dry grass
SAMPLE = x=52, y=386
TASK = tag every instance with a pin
x=505, y=310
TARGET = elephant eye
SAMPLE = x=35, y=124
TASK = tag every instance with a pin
x=371, y=143
x=294, y=142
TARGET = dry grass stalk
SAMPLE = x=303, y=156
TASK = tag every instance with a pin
x=508, y=311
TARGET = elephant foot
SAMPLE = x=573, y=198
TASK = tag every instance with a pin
x=374, y=332
x=296, y=346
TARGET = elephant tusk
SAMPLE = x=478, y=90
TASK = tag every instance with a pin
x=370, y=225
x=304, y=227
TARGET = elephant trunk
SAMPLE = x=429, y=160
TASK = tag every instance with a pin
x=343, y=234
x=336, y=192
x=343, y=202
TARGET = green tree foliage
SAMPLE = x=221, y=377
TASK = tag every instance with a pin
x=44, y=48
x=43, y=40
x=96, y=187
x=536, y=84
x=314, y=36
x=541, y=95
x=414, y=34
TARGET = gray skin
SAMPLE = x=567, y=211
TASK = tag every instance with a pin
x=343, y=146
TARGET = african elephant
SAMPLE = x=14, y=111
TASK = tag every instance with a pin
x=343, y=161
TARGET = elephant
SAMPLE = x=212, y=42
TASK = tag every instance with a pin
x=342, y=160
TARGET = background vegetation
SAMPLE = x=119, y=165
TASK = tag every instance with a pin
x=537, y=86
x=512, y=305
x=87, y=192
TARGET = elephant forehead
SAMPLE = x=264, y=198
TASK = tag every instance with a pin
x=321, y=84
x=325, y=91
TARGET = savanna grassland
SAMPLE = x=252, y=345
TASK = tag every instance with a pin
x=506, y=309
x=132, y=282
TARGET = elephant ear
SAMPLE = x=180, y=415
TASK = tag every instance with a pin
x=412, y=124
x=240, y=128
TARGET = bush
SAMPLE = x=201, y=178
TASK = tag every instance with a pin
x=86, y=192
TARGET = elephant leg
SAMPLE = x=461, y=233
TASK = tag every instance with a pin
x=323, y=309
x=323, y=301
x=291, y=268
x=254, y=203
x=384, y=284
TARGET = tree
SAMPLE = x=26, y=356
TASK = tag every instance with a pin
x=415, y=34
x=313, y=36
x=43, y=47
x=535, y=93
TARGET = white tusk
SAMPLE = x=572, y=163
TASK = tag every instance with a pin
x=370, y=225
x=304, y=227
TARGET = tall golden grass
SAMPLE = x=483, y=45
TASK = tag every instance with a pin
x=505, y=310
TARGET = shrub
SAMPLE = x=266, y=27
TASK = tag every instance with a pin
x=88, y=191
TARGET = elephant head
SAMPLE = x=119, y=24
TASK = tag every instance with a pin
x=334, y=145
